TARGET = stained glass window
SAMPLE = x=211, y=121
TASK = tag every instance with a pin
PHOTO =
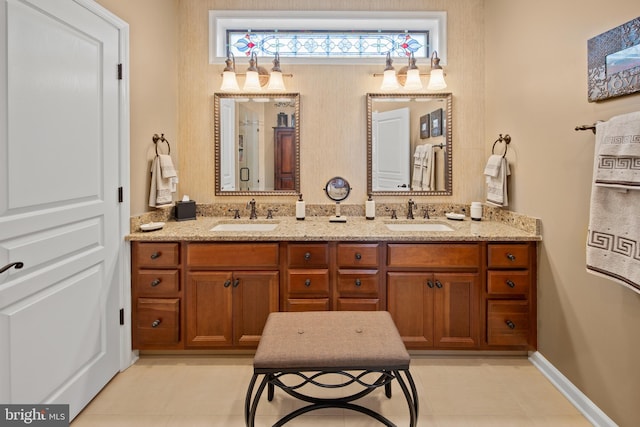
x=310, y=44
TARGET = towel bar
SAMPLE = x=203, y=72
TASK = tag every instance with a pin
x=506, y=139
x=160, y=138
x=587, y=127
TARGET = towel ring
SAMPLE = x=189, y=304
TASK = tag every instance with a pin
x=506, y=139
x=160, y=138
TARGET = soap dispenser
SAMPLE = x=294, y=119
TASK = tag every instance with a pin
x=370, y=208
x=300, y=208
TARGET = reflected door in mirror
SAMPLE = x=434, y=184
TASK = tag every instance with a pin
x=285, y=158
x=391, y=144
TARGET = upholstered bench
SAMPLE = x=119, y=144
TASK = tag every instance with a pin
x=362, y=348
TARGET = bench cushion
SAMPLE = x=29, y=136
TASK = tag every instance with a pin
x=322, y=340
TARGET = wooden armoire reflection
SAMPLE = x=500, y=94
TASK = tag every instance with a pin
x=285, y=158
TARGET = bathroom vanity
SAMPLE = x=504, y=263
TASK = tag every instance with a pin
x=473, y=287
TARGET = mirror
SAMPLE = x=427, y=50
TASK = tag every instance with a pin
x=409, y=144
x=257, y=144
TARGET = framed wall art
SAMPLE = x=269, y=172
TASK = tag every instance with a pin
x=436, y=122
x=614, y=62
x=424, y=126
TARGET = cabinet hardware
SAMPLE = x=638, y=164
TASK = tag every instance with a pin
x=156, y=255
x=236, y=283
x=358, y=255
x=155, y=283
x=18, y=265
x=438, y=284
x=510, y=284
x=358, y=283
x=430, y=284
x=510, y=324
x=307, y=256
x=156, y=323
x=511, y=256
x=227, y=283
x=307, y=283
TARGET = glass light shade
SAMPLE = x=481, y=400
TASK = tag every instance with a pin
x=436, y=81
x=413, y=80
x=275, y=81
x=229, y=82
x=389, y=81
x=252, y=82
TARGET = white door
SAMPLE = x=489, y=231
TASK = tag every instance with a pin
x=390, y=150
x=227, y=144
x=61, y=126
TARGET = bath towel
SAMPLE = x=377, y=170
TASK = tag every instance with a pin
x=496, y=172
x=418, y=159
x=613, y=240
x=428, y=171
x=160, y=191
x=168, y=171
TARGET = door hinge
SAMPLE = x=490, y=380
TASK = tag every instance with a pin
x=122, y=316
x=119, y=71
x=120, y=195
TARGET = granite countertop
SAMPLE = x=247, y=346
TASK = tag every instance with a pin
x=318, y=228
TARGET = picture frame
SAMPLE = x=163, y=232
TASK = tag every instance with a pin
x=424, y=126
x=435, y=117
x=613, y=62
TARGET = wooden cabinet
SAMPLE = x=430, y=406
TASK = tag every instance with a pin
x=433, y=294
x=358, y=284
x=509, y=297
x=231, y=289
x=307, y=282
x=284, y=140
x=156, y=295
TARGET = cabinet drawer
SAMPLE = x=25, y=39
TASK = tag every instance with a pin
x=508, y=282
x=158, y=321
x=433, y=255
x=508, y=255
x=308, y=304
x=233, y=255
x=309, y=283
x=507, y=323
x=358, y=283
x=157, y=282
x=362, y=255
x=157, y=254
x=358, y=304
x=308, y=255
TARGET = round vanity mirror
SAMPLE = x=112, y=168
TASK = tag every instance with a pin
x=337, y=189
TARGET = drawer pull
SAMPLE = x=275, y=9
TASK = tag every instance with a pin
x=510, y=324
x=430, y=284
x=156, y=323
x=438, y=284
x=358, y=255
x=511, y=256
x=156, y=255
x=307, y=283
x=155, y=283
x=227, y=283
x=358, y=283
x=307, y=256
x=18, y=265
x=511, y=284
x=236, y=283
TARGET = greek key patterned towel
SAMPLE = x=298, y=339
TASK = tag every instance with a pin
x=613, y=241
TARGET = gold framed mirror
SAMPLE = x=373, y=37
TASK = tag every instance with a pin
x=257, y=144
x=409, y=144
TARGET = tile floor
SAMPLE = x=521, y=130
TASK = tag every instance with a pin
x=460, y=391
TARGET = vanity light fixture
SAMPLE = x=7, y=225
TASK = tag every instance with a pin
x=390, y=80
x=409, y=76
x=229, y=81
x=413, y=81
x=252, y=80
x=436, y=80
x=275, y=77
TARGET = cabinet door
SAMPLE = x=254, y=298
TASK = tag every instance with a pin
x=209, y=309
x=410, y=301
x=255, y=295
x=456, y=310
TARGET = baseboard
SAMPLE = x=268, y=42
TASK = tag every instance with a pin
x=571, y=392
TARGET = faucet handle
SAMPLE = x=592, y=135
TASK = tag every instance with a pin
x=426, y=212
x=236, y=214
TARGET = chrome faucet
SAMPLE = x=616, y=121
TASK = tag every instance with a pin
x=252, y=205
x=411, y=205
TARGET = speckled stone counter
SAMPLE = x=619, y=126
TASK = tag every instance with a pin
x=318, y=228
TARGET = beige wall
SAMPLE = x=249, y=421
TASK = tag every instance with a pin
x=530, y=60
x=536, y=85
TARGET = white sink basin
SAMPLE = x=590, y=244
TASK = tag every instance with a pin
x=243, y=226
x=419, y=227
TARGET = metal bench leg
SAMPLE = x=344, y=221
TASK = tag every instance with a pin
x=251, y=405
x=411, y=396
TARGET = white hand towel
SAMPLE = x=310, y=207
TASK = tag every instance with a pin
x=428, y=172
x=493, y=165
x=613, y=239
x=160, y=191
x=418, y=158
x=166, y=166
x=618, y=152
x=497, y=185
